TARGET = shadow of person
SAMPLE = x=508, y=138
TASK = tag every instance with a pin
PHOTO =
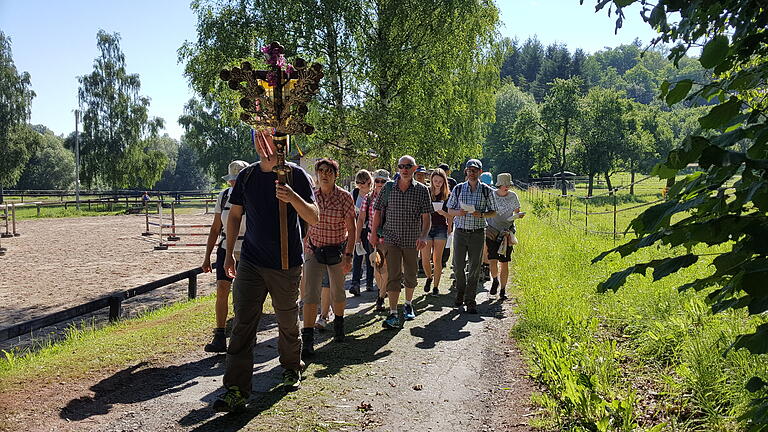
x=447, y=327
x=137, y=384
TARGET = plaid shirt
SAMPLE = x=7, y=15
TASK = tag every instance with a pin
x=477, y=199
x=369, y=205
x=334, y=209
x=402, y=224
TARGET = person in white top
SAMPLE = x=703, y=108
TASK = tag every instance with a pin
x=217, y=235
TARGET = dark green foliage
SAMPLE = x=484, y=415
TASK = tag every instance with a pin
x=727, y=204
x=51, y=166
x=16, y=95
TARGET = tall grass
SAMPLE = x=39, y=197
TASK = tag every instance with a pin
x=645, y=358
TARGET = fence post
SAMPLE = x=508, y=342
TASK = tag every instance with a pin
x=146, y=219
x=614, y=219
x=570, y=208
x=160, y=246
x=115, y=306
x=192, y=287
x=38, y=209
x=13, y=218
x=586, y=216
x=89, y=205
x=7, y=233
x=557, y=200
x=173, y=236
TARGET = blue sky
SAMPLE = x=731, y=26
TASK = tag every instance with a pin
x=55, y=41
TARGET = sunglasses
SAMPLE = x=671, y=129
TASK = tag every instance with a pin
x=380, y=181
x=405, y=166
x=361, y=182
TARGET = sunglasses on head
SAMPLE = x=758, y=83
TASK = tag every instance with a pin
x=405, y=166
x=378, y=181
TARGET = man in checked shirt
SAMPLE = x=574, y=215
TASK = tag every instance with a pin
x=470, y=203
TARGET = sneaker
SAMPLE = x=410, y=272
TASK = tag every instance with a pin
x=494, y=286
x=427, y=285
x=291, y=380
x=380, y=304
x=392, y=322
x=354, y=289
x=408, y=313
x=321, y=323
x=435, y=291
x=231, y=401
x=219, y=342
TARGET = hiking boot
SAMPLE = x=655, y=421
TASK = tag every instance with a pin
x=458, y=303
x=354, y=289
x=408, y=313
x=338, y=329
x=486, y=273
x=291, y=380
x=503, y=294
x=392, y=322
x=471, y=309
x=380, y=304
x=308, y=342
x=435, y=291
x=371, y=287
x=219, y=342
x=232, y=401
x=427, y=285
x=494, y=286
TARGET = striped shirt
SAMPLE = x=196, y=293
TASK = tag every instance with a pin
x=462, y=194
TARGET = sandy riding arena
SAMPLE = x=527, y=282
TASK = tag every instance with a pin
x=60, y=263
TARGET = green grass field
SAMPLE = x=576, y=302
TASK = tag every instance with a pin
x=645, y=358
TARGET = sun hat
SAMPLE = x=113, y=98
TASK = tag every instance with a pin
x=234, y=169
x=474, y=163
x=504, y=179
x=381, y=174
x=486, y=178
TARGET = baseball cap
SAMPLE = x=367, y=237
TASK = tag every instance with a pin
x=234, y=169
x=474, y=163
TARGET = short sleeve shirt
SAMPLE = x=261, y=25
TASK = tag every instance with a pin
x=334, y=209
x=261, y=246
x=507, y=205
x=477, y=199
x=368, y=205
x=223, y=209
x=402, y=224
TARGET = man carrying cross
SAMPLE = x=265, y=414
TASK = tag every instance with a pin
x=260, y=271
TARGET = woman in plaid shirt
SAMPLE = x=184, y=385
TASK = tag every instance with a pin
x=333, y=235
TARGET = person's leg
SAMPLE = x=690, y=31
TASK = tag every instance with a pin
x=460, y=248
x=504, y=278
x=475, y=244
x=369, y=271
x=426, y=257
x=248, y=294
x=410, y=269
x=394, y=260
x=325, y=300
x=313, y=276
x=283, y=286
x=438, y=250
x=338, y=297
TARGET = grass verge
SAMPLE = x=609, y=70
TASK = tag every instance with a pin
x=645, y=358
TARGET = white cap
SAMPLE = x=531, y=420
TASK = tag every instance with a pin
x=234, y=169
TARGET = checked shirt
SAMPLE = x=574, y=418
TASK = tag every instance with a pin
x=477, y=199
x=334, y=209
x=402, y=224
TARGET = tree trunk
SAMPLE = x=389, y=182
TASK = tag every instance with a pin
x=608, y=183
x=591, y=183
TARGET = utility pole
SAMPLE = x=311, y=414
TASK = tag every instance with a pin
x=77, y=159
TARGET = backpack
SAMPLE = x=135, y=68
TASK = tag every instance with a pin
x=484, y=187
x=248, y=170
x=384, y=198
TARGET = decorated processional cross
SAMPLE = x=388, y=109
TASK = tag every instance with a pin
x=275, y=101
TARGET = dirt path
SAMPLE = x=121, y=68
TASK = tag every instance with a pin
x=444, y=371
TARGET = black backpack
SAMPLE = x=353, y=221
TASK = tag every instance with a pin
x=484, y=187
x=247, y=175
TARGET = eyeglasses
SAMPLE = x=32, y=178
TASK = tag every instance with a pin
x=405, y=166
x=380, y=181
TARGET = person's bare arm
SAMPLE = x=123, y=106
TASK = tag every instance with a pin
x=233, y=230
x=349, y=221
x=213, y=235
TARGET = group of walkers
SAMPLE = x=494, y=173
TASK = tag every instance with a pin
x=385, y=227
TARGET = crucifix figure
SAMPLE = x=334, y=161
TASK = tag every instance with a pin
x=275, y=101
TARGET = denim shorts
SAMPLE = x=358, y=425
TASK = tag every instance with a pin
x=438, y=233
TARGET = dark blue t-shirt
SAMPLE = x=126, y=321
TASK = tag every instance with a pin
x=261, y=246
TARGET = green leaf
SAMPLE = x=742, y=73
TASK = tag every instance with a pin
x=720, y=115
x=623, y=3
x=756, y=343
x=679, y=92
x=672, y=265
x=714, y=52
x=755, y=384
